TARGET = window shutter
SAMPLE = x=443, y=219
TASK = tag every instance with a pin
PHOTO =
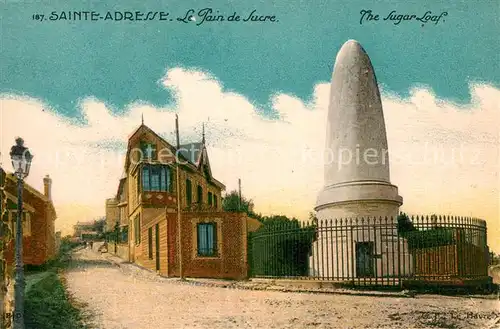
x=200, y=194
x=150, y=242
x=189, y=192
x=216, y=251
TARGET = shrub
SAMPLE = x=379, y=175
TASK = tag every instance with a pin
x=420, y=239
x=281, y=247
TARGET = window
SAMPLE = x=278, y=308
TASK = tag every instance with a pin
x=137, y=229
x=215, y=201
x=207, y=239
x=124, y=237
x=156, y=178
x=165, y=178
x=200, y=194
x=154, y=175
x=189, y=192
x=148, y=151
x=209, y=198
x=145, y=178
x=26, y=223
x=150, y=242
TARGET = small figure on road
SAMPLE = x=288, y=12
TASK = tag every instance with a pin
x=85, y=244
x=104, y=247
x=91, y=244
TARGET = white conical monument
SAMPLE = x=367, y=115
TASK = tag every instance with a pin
x=357, y=181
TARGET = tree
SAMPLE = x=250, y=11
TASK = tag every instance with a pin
x=435, y=236
x=231, y=203
x=99, y=225
x=116, y=233
x=405, y=225
x=313, y=219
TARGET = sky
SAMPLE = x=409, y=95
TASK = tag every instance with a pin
x=75, y=91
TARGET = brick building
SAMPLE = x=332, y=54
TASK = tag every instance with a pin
x=145, y=207
x=39, y=215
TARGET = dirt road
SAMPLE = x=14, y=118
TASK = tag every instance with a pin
x=129, y=297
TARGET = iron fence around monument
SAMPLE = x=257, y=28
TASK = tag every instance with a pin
x=373, y=251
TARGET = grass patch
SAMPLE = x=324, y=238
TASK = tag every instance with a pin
x=32, y=279
x=47, y=306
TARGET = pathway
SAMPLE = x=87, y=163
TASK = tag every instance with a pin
x=128, y=297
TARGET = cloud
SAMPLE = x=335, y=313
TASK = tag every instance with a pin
x=444, y=157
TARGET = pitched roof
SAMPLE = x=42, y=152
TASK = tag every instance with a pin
x=192, y=152
x=32, y=190
x=120, y=188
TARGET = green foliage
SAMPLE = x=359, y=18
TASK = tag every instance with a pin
x=47, y=306
x=116, y=236
x=67, y=245
x=431, y=238
x=281, y=247
x=420, y=239
x=99, y=225
x=231, y=203
x=405, y=225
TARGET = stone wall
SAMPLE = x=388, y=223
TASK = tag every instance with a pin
x=334, y=252
x=122, y=250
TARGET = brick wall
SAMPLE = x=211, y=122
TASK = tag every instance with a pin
x=452, y=260
x=39, y=247
x=442, y=261
x=232, y=261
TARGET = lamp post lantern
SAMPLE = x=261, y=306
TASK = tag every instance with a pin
x=21, y=161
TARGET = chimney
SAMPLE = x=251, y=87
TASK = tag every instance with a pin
x=47, y=187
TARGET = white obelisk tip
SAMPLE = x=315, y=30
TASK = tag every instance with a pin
x=356, y=150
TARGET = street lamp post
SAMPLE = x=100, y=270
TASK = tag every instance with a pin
x=21, y=161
